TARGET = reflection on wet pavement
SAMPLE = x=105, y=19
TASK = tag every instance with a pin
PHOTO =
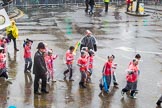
x=60, y=28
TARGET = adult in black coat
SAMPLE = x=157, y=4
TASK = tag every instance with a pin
x=39, y=69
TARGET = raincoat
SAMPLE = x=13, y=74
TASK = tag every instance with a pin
x=12, y=29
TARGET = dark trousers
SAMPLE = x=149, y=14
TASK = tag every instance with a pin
x=69, y=66
x=137, y=11
x=87, y=5
x=131, y=86
x=36, y=82
x=83, y=76
x=128, y=7
x=14, y=40
x=106, y=6
x=3, y=73
x=91, y=8
x=28, y=64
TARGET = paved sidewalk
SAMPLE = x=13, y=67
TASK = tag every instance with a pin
x=16, y=13
x=154, y=7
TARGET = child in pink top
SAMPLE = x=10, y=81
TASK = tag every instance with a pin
x=27, y=56
x=49, y=59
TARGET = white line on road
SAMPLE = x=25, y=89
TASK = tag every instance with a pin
x=137, y=51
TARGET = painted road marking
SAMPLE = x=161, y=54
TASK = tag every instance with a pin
x=21, y=14
x=139, y=51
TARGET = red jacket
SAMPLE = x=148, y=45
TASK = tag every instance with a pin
x=3, y=44
x=83, y=61
x=107, y=68
x=2, y=61
x=69, y=57
x=132, y=77
x=128, y=1
x=27, y=51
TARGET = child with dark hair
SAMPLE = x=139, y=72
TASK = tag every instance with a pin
x=28, y=60
x=137, y=57
x=69, y=62
x=82, y=63
x=107, y=74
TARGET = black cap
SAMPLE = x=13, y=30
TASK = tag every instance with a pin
x=41, y=45
x=82, y=52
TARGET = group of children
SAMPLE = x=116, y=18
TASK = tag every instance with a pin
x=48, y=57
x=85, y=63
x=131, y=77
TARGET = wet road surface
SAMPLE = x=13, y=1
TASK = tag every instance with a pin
x=116, y=33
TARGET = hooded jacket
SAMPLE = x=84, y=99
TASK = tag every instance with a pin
x=12, y=29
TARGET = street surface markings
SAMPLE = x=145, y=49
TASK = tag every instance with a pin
x=21, y=14
x=137, y=51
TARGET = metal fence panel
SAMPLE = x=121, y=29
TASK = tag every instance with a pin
x=50, y=2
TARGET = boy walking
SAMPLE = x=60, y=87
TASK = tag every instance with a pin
x=28, y=59
x=69, y=62
x=107, y=73
x=131, y=78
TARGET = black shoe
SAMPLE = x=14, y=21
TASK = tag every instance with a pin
x=71, y=79
x=116, y=84
x=158, y=103
x=44, y=91
x=64, y=76
x=82, y=85
x=101, y=86
x=16, y=49
x=37, y=93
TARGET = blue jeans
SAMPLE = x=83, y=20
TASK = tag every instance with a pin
x=91, y=8
x=108, y=80
x=28, y=64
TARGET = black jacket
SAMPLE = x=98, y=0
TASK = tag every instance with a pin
x=39, y=67
x=91, y=2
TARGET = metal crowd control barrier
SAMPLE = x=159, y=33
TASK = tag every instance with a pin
x=8, y=6
x=56, y=2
